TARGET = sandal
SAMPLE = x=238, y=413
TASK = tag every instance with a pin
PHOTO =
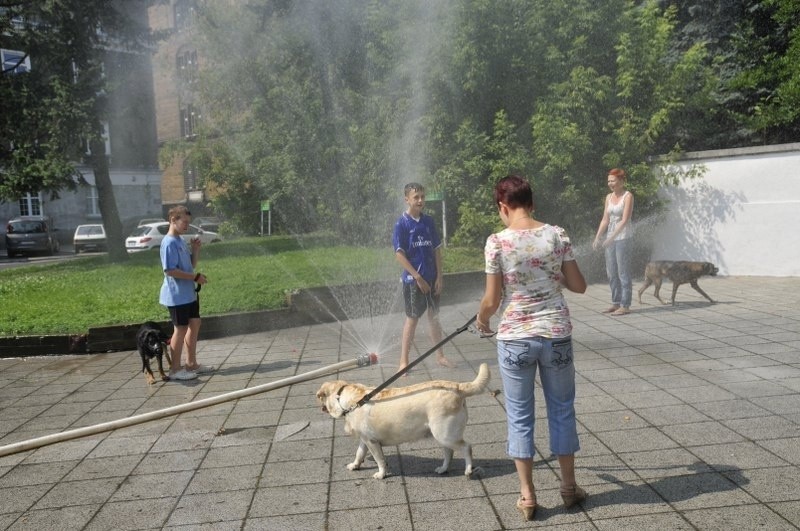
x=612, y=309
x=527, y=511
x=621, y=311
x=572, y=495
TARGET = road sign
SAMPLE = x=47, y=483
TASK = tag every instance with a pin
x=434, y=196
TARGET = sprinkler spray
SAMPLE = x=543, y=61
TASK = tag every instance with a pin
x=366, y=398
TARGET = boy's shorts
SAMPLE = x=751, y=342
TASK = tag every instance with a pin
x=417, y=302
x=180, y=315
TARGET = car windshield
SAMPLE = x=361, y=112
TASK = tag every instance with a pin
x=26, y=226
x=90, y=230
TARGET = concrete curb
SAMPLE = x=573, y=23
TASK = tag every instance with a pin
x=304, y=308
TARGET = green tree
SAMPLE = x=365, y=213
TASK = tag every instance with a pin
x=50, y=111
x=766, y=53
x=481, y=160
x=594, y=85
x=326, y=108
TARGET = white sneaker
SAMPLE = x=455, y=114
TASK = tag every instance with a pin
x=183, y=374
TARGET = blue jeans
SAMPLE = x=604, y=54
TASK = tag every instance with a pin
x=518, y=360
x=618, y=268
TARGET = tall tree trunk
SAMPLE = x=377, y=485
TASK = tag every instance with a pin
x=108, y=205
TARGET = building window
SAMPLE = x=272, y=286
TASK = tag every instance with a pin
x=30, y=205
x=190, y=177
x=189, y=118
x=187, y=66
x=184, y=14
x=15, y=62
x=106, y=139
x=92, y=203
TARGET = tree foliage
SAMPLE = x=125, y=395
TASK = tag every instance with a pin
x=766, y=51
x=328, y=108
x=50, y=112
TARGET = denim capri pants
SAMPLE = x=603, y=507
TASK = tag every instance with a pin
x=518, y=360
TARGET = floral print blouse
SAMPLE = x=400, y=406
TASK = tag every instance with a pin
x=530, y=262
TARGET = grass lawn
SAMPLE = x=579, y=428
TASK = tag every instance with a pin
x=244, y=275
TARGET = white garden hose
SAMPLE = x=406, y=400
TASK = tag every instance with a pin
x=361, y=361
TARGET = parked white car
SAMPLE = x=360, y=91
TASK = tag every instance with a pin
x=149, y=236
x=147, y=221
x=89, y=238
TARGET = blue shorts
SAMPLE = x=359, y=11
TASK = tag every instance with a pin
x=180, y=315
x=518, y=360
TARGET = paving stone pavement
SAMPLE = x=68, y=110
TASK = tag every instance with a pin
x=689, y=418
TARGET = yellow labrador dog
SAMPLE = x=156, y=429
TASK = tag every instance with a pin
x=397, y=415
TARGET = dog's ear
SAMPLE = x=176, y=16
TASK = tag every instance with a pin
x=324, y=391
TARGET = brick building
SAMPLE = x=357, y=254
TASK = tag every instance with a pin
x=175, y=75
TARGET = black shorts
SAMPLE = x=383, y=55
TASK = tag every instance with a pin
x=180, y=315
x=417, y=302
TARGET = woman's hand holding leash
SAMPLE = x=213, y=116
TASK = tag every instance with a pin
x=484, y=330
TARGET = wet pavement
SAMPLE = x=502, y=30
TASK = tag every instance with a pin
x=689, y=418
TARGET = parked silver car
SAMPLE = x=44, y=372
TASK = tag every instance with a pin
x=89, y=238
x=31, y=234
x=149, y=236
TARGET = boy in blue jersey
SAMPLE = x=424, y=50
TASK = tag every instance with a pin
x=418, y=249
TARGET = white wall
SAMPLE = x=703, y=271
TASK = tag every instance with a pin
x=743, y=215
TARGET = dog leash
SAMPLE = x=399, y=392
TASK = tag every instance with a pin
x=408, y=367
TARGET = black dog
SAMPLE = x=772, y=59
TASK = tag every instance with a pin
x=152, y=342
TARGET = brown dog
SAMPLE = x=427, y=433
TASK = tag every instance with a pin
x=678, y=273
x=397, y=415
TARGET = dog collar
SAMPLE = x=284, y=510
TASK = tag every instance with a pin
x=345, y=410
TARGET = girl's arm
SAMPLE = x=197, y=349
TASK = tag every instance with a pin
x=603, y=224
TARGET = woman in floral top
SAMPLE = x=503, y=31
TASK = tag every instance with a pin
x=527, y=266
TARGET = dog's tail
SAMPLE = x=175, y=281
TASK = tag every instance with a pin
x=477, y=385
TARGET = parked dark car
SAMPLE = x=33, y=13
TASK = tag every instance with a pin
x=89, y=238
x=31, y=234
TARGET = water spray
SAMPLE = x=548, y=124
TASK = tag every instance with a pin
x=408, y=367
x=361, y=361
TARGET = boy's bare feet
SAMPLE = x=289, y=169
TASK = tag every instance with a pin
x=444, y=362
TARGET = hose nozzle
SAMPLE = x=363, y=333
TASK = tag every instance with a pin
x=367, y=359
